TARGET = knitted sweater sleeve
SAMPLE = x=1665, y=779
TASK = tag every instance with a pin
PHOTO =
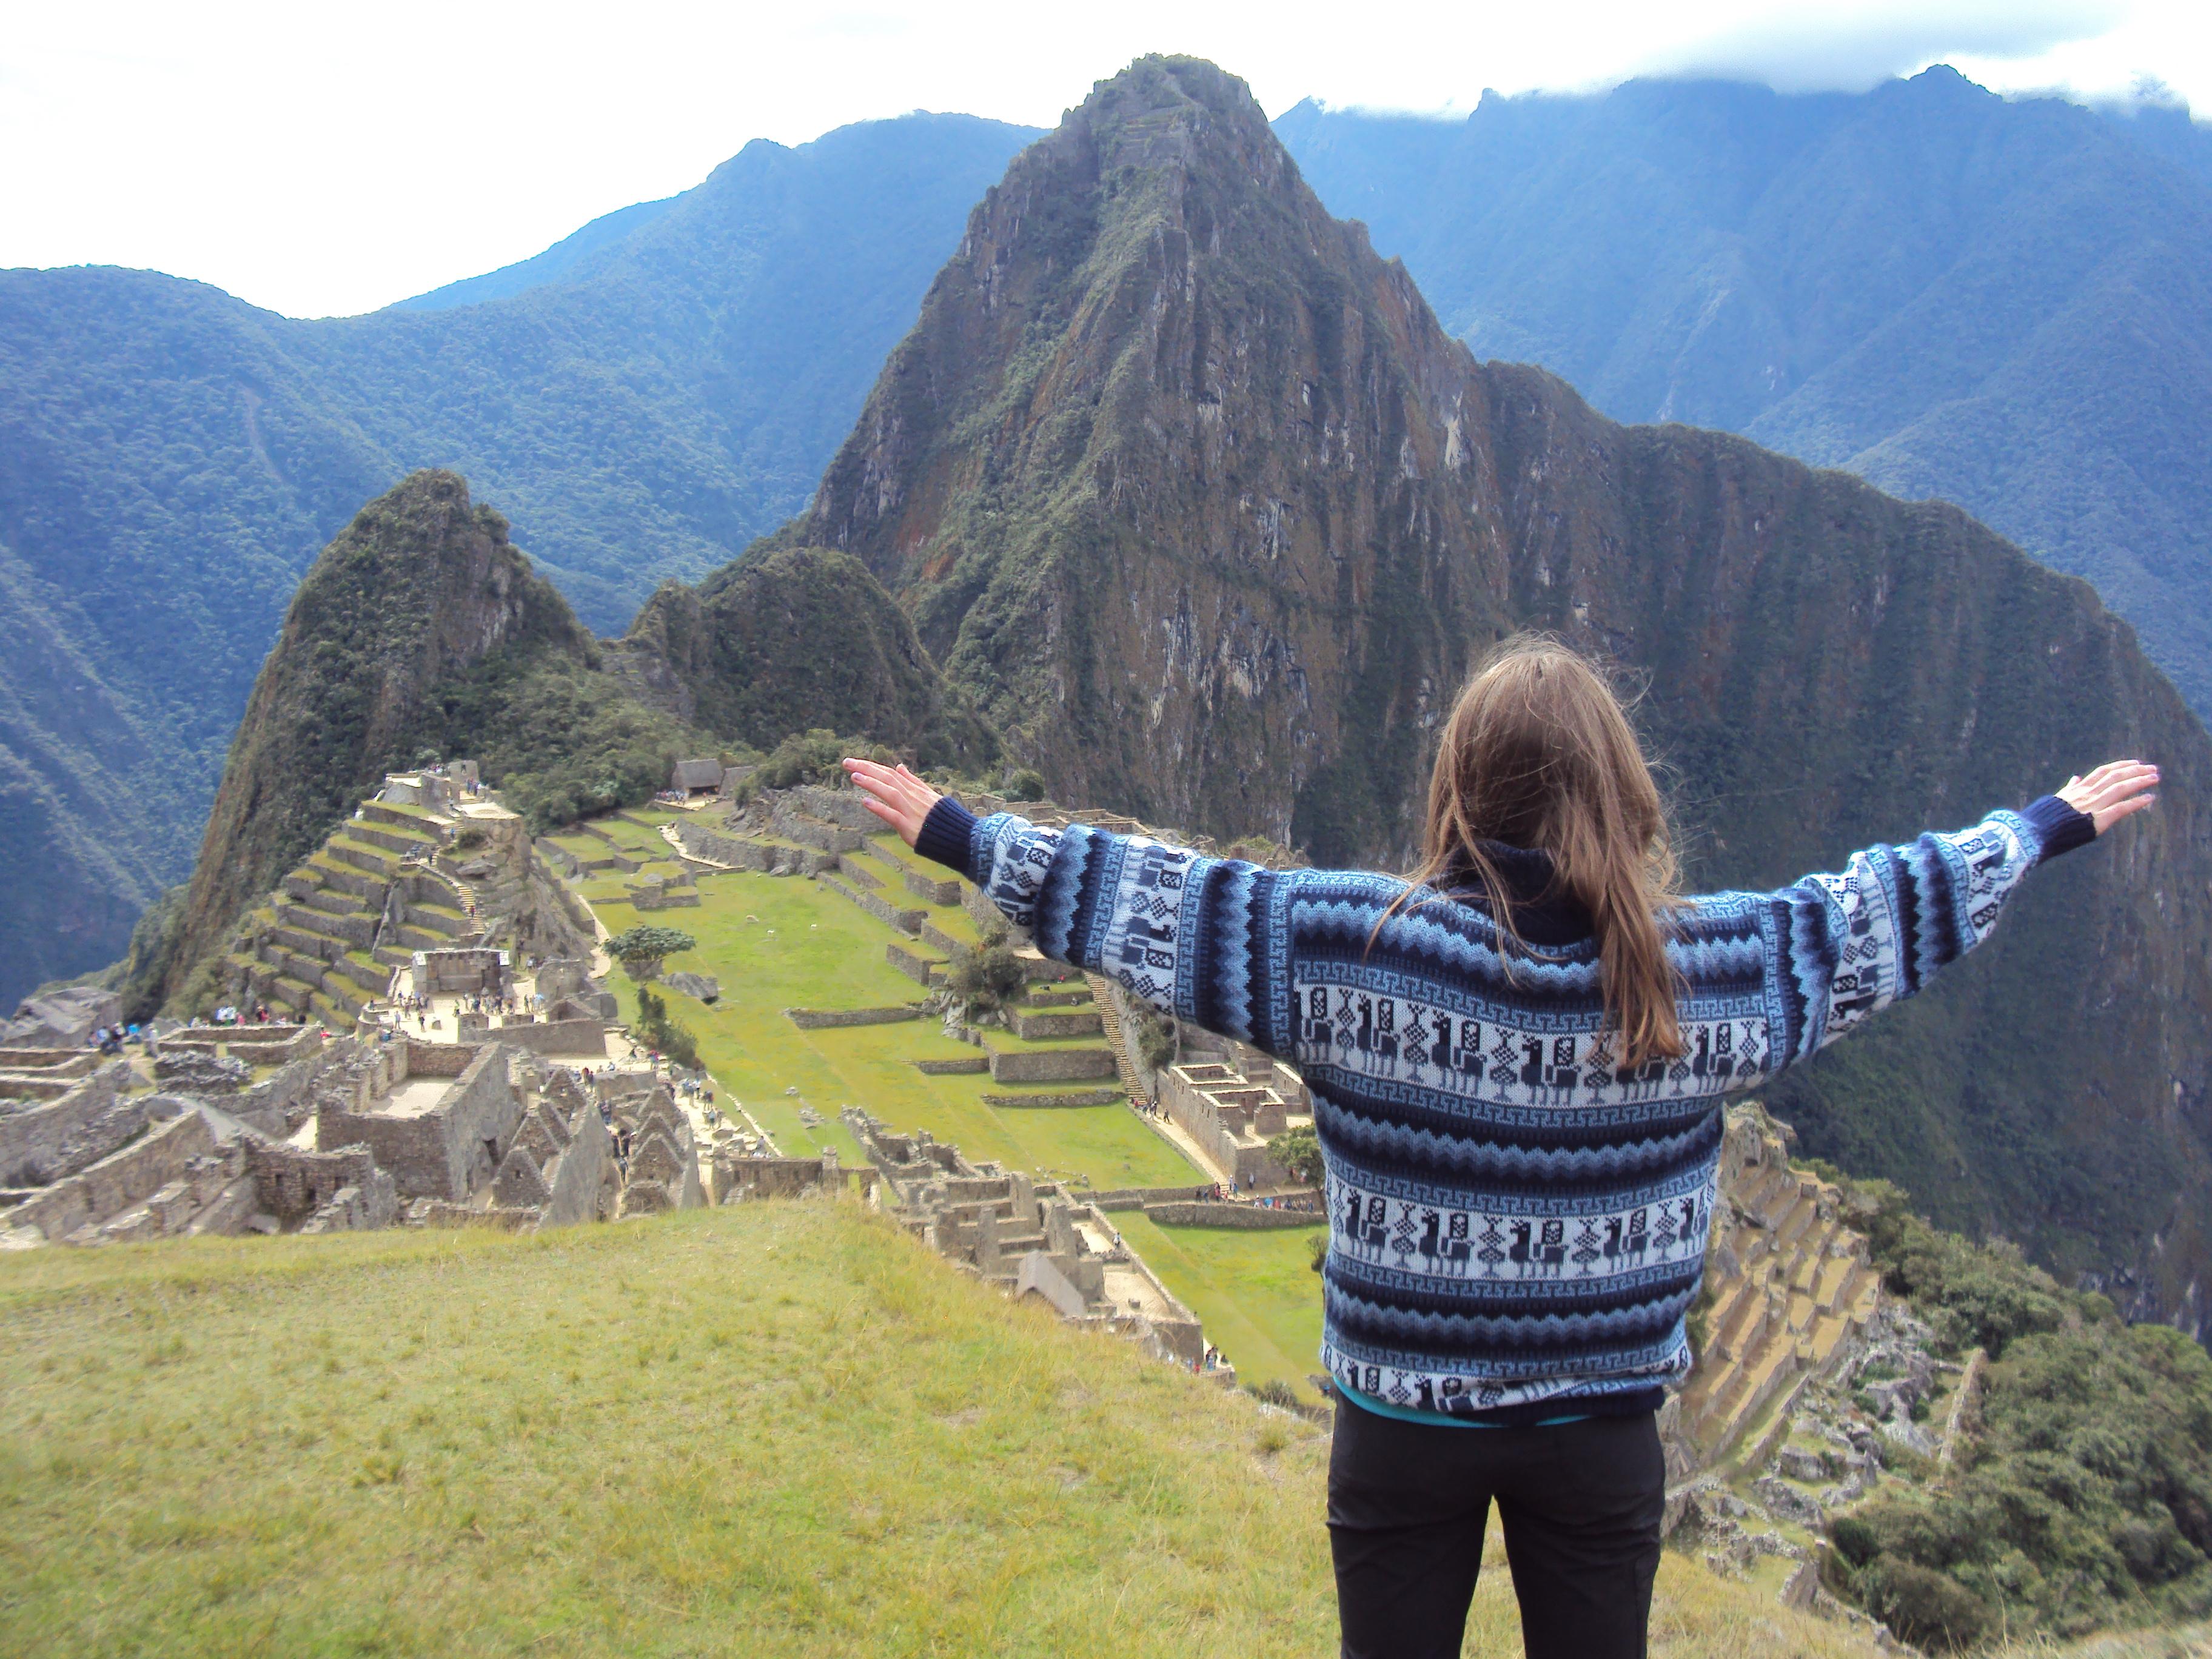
x=1191, y=935
x=1841, y=948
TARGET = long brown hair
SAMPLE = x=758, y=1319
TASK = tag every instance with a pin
x=1539, y=753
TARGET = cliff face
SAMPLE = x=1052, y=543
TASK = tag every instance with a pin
x=419, y=590
x=1158, y=474
x=792, y=640
x=1190, y=488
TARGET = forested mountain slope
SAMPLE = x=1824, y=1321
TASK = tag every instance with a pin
x=2004, y=304
x=422, y=632
x=1191, y=490
x=171, y=460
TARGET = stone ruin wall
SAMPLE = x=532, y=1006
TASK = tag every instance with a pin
x=1232, y=1105
x=1027, y=1238
x=443, y=1152
x=90, y=1119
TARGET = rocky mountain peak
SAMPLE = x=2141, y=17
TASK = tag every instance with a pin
x=423, y=586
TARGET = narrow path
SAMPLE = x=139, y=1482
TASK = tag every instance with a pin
x=1186, y=1143
x=726, y=1101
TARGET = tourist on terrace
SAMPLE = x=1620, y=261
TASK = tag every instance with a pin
x=1517, y=1058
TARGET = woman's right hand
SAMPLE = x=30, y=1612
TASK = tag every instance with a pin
x=893, y=794
x=2111, y=792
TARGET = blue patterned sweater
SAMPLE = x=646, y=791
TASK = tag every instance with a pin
x=1515, y=1227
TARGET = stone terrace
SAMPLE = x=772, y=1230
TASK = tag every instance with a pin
x=358, y=908
x=1793, y=1294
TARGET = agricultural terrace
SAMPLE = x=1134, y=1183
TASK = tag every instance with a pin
x=775, y=942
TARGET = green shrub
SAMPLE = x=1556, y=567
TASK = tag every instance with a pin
x=1926, y=1608
x=1855, y=1540
x=1024, y=786
x=2086, y=1498
x=657, y=1029
x=1298, y=1150
x=1156, y=1042
x=816, y=756
x=987, y=975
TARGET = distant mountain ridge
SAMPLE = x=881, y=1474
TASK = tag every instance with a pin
x=2002, y=303
x=171, y=460
x=566, y=260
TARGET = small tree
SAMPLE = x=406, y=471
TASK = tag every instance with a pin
x=1298, y=1150
x=1157, y=1038
x=640, y=950
x=986, y=975
x=672, y=1037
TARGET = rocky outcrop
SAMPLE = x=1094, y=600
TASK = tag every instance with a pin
x=1189, y=488
x=791, y=640
x=62, y=1019
x=422, y=586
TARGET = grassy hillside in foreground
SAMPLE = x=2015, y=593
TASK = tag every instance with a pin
x=778, y=1429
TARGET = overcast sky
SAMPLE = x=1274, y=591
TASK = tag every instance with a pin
x=327, y=159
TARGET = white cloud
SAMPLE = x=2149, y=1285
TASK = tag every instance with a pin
x=1797, y=50
x=321, y=160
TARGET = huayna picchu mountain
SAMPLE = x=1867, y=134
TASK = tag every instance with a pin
x=423, y=633
x=420, y=591
x=1188, y=487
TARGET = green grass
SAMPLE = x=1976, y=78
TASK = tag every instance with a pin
x=1260, y=1301
x=826, y=952
x=775, y=1429
x=632, y=838
x=780, y=1429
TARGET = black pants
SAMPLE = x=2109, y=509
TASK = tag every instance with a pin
x=1408, y=1502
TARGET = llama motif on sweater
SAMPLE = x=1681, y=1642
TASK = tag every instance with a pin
x=1517, y=1223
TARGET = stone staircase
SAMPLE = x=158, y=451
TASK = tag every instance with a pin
x=1117, y=1039
x=326, y=943
x=1792, y=1292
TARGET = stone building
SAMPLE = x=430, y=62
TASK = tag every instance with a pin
x=1232, y=1101
x=661, y=1168
x=1030, y=1238
x=467, y=972
x=356, y=1133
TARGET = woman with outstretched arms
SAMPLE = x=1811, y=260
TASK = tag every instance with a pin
x=1518, y=1058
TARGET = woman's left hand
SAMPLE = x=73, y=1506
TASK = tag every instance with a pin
x=894, y=796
